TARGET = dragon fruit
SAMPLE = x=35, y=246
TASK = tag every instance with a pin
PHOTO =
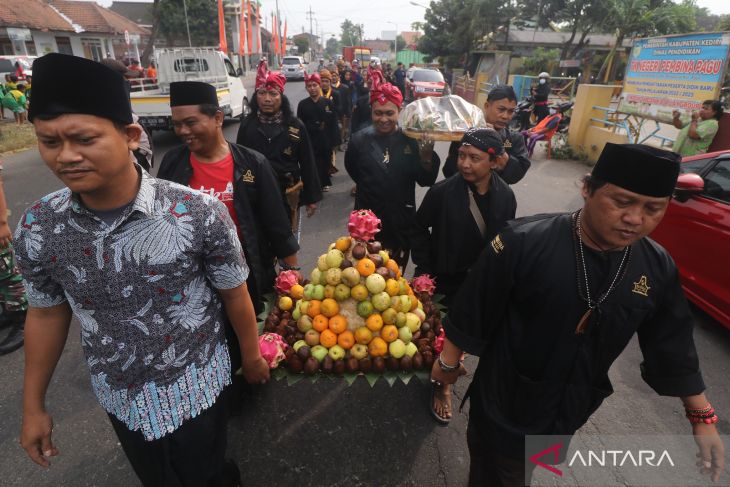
x=424, y=284
x=272, y=348
x=363, y=225
x=285, y=280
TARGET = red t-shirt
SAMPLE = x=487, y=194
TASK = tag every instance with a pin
x=216, y=180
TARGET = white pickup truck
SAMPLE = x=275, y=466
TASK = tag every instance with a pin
x=151, y=97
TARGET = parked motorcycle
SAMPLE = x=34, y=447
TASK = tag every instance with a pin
x=523, y=112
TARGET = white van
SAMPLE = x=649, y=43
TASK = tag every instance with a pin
x=151, y=98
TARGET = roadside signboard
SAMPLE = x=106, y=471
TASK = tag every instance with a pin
x=674, y=73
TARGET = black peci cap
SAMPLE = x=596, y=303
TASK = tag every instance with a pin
x=64, y=84
x=638, y=168
x=192, y=93
x=484, y=139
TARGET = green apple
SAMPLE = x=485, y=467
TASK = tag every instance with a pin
x=304, y=323
x=411, y=349
x=342, y=292
x=381, y=301
x=389, y=316
x=315, y=276
x=412, y=322
x=350, y=276
x=297, y=313
x=298, y=344
x=322, y=263
x=405, y=334
x=359, y=351
x=333, y=276
x=311, y=337
x=318, y=352
x=304, y=306
x=334, y=258
x=364, y=308
x=400, y=319
x=308, y=289
x=337, y=352
x=318, y=293
x=375, y=283
x=397, y=348
x=405, y=303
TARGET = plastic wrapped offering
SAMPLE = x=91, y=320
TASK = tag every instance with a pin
x=441, y=118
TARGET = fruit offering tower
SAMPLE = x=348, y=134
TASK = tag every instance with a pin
x=356, y=312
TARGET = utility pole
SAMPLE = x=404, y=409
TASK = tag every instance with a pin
x=310, y=14
x=278, y=34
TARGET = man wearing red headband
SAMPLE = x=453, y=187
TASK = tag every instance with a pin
x=386, y=165
x=320, y=117
x=272, y=129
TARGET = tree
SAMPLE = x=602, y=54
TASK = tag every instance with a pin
x=541, y=60
x=399, y=42
x=724, y=23
x=153, y=35
x=453, y=28
x=202, y=20
x=302, y=44
x=333, y=46
x=351, y=33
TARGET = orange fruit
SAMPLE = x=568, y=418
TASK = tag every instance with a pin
x=314, y=308
x=338, y=324
x=374, y=322
x=414, y=302
x=363, y=335
x=346, y=339
x=328, y=339
x=320, y=323
x=393, y=266
x=359, y=292
x=365, y=267
x=329, y=307
x=343, y=244
x=377, y=347
x=392, y=287
x=297, y=291
x=389, y=333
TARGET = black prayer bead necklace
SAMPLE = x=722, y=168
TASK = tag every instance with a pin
x=580, y=264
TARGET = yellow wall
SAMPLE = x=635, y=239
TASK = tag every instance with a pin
x=584, y=135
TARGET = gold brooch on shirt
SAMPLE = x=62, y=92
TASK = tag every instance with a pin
x=287, y=151
x=407, y=150
x=641, y=287
x=248, y=177
x=386, y=156
x=507, y=144
x=497, y=244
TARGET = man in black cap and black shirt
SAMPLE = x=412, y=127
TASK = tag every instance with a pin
x=239, y=177
x=498, y=112
x=554, y=300
x=148, y=267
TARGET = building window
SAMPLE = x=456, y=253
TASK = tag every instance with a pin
x=92, y=49
x=64, y=45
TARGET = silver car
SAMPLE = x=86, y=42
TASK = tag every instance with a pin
x=293, y=67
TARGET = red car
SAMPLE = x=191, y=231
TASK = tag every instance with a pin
x=696, y=232
x=425, y=82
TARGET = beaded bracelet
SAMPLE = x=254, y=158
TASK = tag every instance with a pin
x=710, y=420
x=703, y=410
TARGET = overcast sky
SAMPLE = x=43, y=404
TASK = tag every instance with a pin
x=376, y=15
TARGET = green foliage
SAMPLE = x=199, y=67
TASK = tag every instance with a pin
x=454, y=28
x=351, y=33
x=541, y=60
x=724, y=23
x=202, y=19
x=562, y=150
x=302, y=44
x=333, y=46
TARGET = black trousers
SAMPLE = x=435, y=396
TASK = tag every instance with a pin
x=192, y=455
x=488, y=467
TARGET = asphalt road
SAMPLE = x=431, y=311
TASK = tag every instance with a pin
x=327, y=433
